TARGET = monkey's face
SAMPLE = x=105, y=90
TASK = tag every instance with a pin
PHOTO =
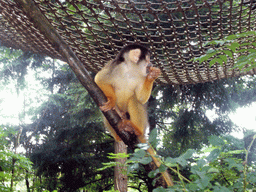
x=145, y=65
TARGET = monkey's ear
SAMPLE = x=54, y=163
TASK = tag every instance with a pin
x=134, y=55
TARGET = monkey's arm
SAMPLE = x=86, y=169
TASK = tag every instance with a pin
x=143, y=92
x=108, y=90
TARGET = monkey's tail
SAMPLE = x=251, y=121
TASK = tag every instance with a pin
x=157, y=162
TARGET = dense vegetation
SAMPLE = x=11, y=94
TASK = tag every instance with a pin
x=66, y=148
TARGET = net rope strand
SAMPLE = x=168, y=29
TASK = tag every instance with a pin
x=175, y=32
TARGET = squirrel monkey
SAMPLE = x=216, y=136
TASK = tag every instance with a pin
x=127, y=82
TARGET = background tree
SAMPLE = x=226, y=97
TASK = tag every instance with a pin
x=67, y=143
x=13, y=167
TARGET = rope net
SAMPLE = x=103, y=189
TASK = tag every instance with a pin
x=174, y=30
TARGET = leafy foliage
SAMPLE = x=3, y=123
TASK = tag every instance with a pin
x=215, y=168
x=238, y=47
x=7, y=157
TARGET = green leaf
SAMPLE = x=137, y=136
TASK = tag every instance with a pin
x=220, y=61
x=181, y=160
x=202, y=183
x=221, y=189
x=245, y=44
x=206, y=57
x=153, y=173
x=241, y=62
x=162, y=168
x=241, y=50
x=133, y=167
x=188, y=154
x=170, y=162
x=251, y=50
x=192, y=187
x=232, y=163
x=236, y=152
x=210, y=51
x=213, y=155
x=252, y=177
x=231, y=37
x=145, y=160
x=71, y=7
x=201, y=174
x=229, y=53
x=118, y=155
x=216, y=141
x=201, y=162
x=153, y=138
x=223, y=58
x=212, y=62
x=220, y=42
x=234, y=46
x=107, y=165
x=216, y=42
x=139, y=153
x=213, y=170
x=159, y=189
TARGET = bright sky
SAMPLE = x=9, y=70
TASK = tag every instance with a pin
x=245, y=117
x=11, y=105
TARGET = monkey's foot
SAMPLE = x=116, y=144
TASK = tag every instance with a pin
x=121, y=113
x=107, y=106
x=125, y=115
x=153, y=73
x=128, y=126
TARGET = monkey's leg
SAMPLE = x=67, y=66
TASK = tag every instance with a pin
x=138, y=115
x=125, y=125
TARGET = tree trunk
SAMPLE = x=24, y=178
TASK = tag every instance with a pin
x=27, y=182
x=13, y=171
x=120, y=174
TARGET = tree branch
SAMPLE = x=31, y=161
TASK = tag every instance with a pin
x=43, y=25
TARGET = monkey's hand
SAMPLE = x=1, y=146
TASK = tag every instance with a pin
x=110, y=104
x=153, y=73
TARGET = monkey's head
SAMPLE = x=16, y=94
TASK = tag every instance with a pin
x=136, y=53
